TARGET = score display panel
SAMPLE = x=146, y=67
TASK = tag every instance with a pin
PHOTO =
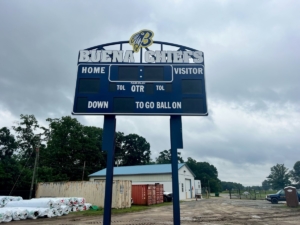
x=140, y=89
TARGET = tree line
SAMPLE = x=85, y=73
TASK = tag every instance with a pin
x=279, y=178
x=69, y=151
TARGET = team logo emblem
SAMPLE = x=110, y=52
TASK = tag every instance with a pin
x=141, y=39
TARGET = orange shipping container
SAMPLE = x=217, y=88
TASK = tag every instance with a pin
x=143, y=194
x=159, y=188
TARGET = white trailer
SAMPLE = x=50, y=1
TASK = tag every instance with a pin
x=198, y=189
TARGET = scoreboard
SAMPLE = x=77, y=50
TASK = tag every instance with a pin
x=120, y=87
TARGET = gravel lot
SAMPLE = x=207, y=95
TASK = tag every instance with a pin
x=205, y=211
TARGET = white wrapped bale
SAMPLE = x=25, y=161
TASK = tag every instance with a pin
x=87, y=206
x=23, y=213
x=33, y=212
x=54, y=212
x=57, y=202
x=15, y=198
x=3, y=201
x=38, y=203
x=5, y=215
x=45, y=212
x=66, y=209
x=76, y=201
x=26, y=212
x=73, y=201
x=74, y=208
x=80, y=200
x=60, y=212
x=18, y=213
x=15, y=213
x=66, y=201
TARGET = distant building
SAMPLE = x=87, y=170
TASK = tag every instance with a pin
x=151, y=174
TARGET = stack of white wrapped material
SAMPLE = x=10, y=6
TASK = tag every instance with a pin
x=15, y=208
x=5, y=199
x=78, y=204
x=35, y=202
x=14, y=198
x=5, y=215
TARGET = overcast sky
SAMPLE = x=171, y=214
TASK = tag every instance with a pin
x=252, y=65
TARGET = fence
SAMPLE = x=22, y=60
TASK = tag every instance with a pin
x=92, y=191
x=247, y=194
x=205, y=192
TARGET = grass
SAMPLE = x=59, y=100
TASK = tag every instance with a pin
x=134, y=208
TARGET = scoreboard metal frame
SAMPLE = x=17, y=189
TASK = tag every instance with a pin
x=172, y=94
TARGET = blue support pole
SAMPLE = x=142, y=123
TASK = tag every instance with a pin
x=176, y=142
x=108, y=145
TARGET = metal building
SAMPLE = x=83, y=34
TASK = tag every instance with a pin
x=151, y=174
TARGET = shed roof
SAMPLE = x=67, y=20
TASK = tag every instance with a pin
x=140, y=169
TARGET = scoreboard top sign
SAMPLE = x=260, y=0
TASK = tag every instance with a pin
x=125, y=81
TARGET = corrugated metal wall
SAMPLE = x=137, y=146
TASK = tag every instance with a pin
x=147, y=194
x=143, y=194
x=92, y=191
x=159, y=190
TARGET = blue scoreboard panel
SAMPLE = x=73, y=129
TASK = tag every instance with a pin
x=140, y=89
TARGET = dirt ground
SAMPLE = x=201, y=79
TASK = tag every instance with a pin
x=213, y=211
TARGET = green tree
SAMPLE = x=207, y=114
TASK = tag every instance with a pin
x=9, y=171
x=208, y=174
x=136, y=150
x=231, y=185
x=8, y=144
x=119, y=152
x=279, y=177
x=70, y=146
x=165, y=157
x=266, y=185
x=202, y=169
x=258, y=188
x=92, y=153
x=295, y=174
x=10, y=167
x=27, y=137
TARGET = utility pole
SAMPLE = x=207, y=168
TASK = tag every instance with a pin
x=32, y=181
x=83, y=170
x=208, y=188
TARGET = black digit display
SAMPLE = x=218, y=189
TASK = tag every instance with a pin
x=112, y=87
x=123, y=105
x=192, y=105
x=168, y=87
x=81, y=105
x=191, y=86
x=89, y=85
x=149, y=89
x=153, y=73
x=128, y=73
